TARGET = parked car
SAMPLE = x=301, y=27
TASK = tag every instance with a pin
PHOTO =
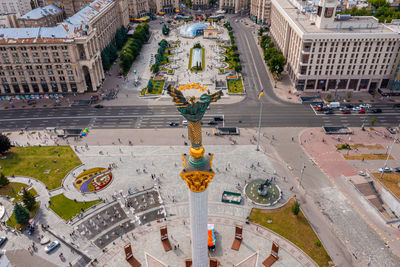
x=219, y=118
x=396, y=105
x=184, y=123
x=99, y=106
x=212, y=122
x=376, y=110
x=365, y=106
x=346, y=111
x=361, y=111
x=391, y=130
x=50, y=247
x=173, y=124
x=328, y=112
x=397, y=169
x=349, y=106
x=386, y=169
x=361, y=173
x=3, y=239
x=356, y=108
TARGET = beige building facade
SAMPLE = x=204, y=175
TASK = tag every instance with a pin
x=260, y=11
x=9, y=21
x=326, y=53
x=200, y=4
x=233, y=6
x=15, y=6
x=138, y=8
x=167, y=6
x=65, y=58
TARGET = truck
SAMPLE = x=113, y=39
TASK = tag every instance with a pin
x=334, y=105
x=211, y=237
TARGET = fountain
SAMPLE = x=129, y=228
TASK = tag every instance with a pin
x=263, y=192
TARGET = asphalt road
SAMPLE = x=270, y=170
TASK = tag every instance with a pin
x=275, y=112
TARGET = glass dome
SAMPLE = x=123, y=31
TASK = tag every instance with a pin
x=192, y=30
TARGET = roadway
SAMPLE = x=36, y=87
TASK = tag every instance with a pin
x=275, y=113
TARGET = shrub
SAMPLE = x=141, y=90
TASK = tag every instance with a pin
x=329, y=97
x=318, y=244
x=3, y=180
x=5, y=143
x=373, y=120
x=296, y=208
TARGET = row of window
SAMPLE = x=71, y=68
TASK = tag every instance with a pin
x=34, y=54
x=34, y=88
x=38, y=67
x=33, y=79
x=33, y=48
x=341, y=72
x=12, y=73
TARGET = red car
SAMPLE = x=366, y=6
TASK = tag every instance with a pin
x=346, y=111
x=361, y=111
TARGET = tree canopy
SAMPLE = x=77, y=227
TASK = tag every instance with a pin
x=5, y=143
x=21, y=214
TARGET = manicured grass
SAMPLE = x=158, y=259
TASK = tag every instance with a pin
x=375, y=146
x=12, y=190
x=13, y=223
x=37, y=161
x=235, y=86
x=367, y=157
x=158, y=87
x=294, y=228
x=390, y=181
x=67, y=208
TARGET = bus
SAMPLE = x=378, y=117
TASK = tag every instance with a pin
x=211, y=237
x=143, y=19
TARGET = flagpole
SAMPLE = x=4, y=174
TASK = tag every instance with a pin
x=259, y=126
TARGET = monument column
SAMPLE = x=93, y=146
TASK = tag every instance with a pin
x=197, y=170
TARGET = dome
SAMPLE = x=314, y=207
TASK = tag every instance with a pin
x=192, y=30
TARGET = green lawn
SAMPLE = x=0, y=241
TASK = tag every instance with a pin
x=294, y=228
x=12, y=190
x=13, y=223
x=48, y=164
x=235, y=86
x=158, y=87
x=67, y=208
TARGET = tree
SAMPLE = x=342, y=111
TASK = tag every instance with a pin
x=238, y=68
x=5, y=143
x=277, y=63
x=155, y=68
x=28, y=199
x=21, y=214
x=105, y=60
x=260, y=31
x=3, y=180
x=119, y=39
x=349, y=95
x=373, y=120
x=296, y=208
x=165, y=30
x=189, y=3
x=150, y=86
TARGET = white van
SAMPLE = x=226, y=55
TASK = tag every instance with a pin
x=334, y=105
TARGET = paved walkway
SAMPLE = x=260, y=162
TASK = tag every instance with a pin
x=255, y=238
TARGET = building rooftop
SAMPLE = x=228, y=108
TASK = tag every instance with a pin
x=21, y=257
x=41, y=12
x=73, y=27
x=303, y=18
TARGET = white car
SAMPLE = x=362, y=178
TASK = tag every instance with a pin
x=361, y=173
x=365, y=106
x=357, y=108
x=184, y=123
x=386, y=169
x=50, y=247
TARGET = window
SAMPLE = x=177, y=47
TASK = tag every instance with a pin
x=45, y=54
x=25, y=54
x=58, y=67
x=62, y=78
x=72, y=78
x=70, y=72
x=60, y=72
x=52, y=79
x=46, y=60
x=55, y=54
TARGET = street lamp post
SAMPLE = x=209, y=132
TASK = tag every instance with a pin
x=276, y=77
x=390, y=152
x=337, y=85
x=302, y=172
x=259, y=127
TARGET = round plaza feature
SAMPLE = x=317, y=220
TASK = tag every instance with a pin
x=263, y=193
x=94, y=179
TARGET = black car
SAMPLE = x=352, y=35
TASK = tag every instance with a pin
x=349, y=106
x=212, y=122
x=376, y=110
x=391, y=130
x=174, y=123
x=396, y=169
x=219, y=118
x=396, y=105
x=3, y=239
x=329, y=111
x=99, y=106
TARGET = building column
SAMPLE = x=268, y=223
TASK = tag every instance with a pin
x=199, y=231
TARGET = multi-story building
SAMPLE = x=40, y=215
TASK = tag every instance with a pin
x=325, y=52
x=47, y=16
x=64, y=58
x=167, y=6
x=70, y=7
x=233, y=6
x=138, y=8
x=200, y=4
x=260, y=11
x=9, y=21
x=14, y=6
